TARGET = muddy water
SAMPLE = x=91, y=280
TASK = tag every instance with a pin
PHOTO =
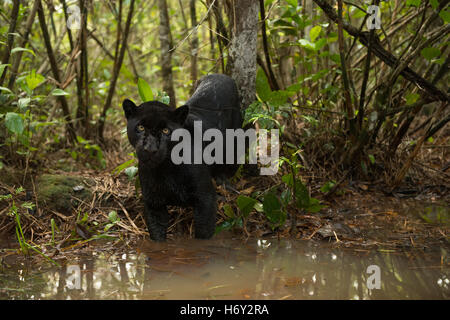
x=230, y=269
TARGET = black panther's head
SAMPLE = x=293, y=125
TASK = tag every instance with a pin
x=149, y=127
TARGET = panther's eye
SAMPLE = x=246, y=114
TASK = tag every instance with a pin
x=165, y=130
x=140, y=128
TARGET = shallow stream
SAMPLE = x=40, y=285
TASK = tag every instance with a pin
x=224, y=268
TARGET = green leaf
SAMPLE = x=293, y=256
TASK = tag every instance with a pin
x=279, y=97
x=333, y=37
x=228, y=211
x=328, y=186
x=301, y=195
x=412, y=98
x=27, y=205
x=301, y=192
x=259, y=207
x=131, y=172
x=18, y=49
x=430, y=53
x=81, y=140
x=287, y=178
x=294, y=87
x=34, y=79
x=272, y=209
x=445, y=15
x=286, y=197
x=108, y=226
x=245, y=204
x=336, y=58
x=307, y=44
x=314, y=206
x=163, y=97
x=2, y=68
x=7, y=196
x=165, y=100
x=293, y=3
x=276, y=98
x=226, y=225
x=23, y=103
x=314, y=33
x=262, y=85
x=59, y=92
x=5, y=89
x=415, y=3
x=145, y=92
x=434, y=4
x=358, y=13
x=14, y=122
x=271, y=205
x=20, y=190
x=123, y=166
x=113, y=216
x=319, y=44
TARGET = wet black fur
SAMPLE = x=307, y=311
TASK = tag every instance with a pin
x=214, y=102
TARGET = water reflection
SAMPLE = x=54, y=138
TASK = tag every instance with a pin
x=224, y=269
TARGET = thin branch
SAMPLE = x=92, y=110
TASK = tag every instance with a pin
x=273, y=80
x=362, y=96
x=18, y=58
x=345, y=80
x=193, y=29
x=384, y=55
x=438, y=126
x=54, y=66
x=407, y=164
x=115, y=76
x=11, y=30
x=194, y=42
x=101, y=45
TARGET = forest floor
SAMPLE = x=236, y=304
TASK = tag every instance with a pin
x=79, y=206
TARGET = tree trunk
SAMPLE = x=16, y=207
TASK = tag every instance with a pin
x=10, y=42
x=194, y=42
x=71, y=134
x=212, y=48
x=243, y=17
x=118, y=59
x=165, y=38
x=270, y=75
x=18, y=58
x=221, y=32
x=82, y=114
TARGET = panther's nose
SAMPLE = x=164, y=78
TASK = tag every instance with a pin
x=151, y=151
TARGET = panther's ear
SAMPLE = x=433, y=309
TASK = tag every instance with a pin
x=180, y=114
x=129, y=107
